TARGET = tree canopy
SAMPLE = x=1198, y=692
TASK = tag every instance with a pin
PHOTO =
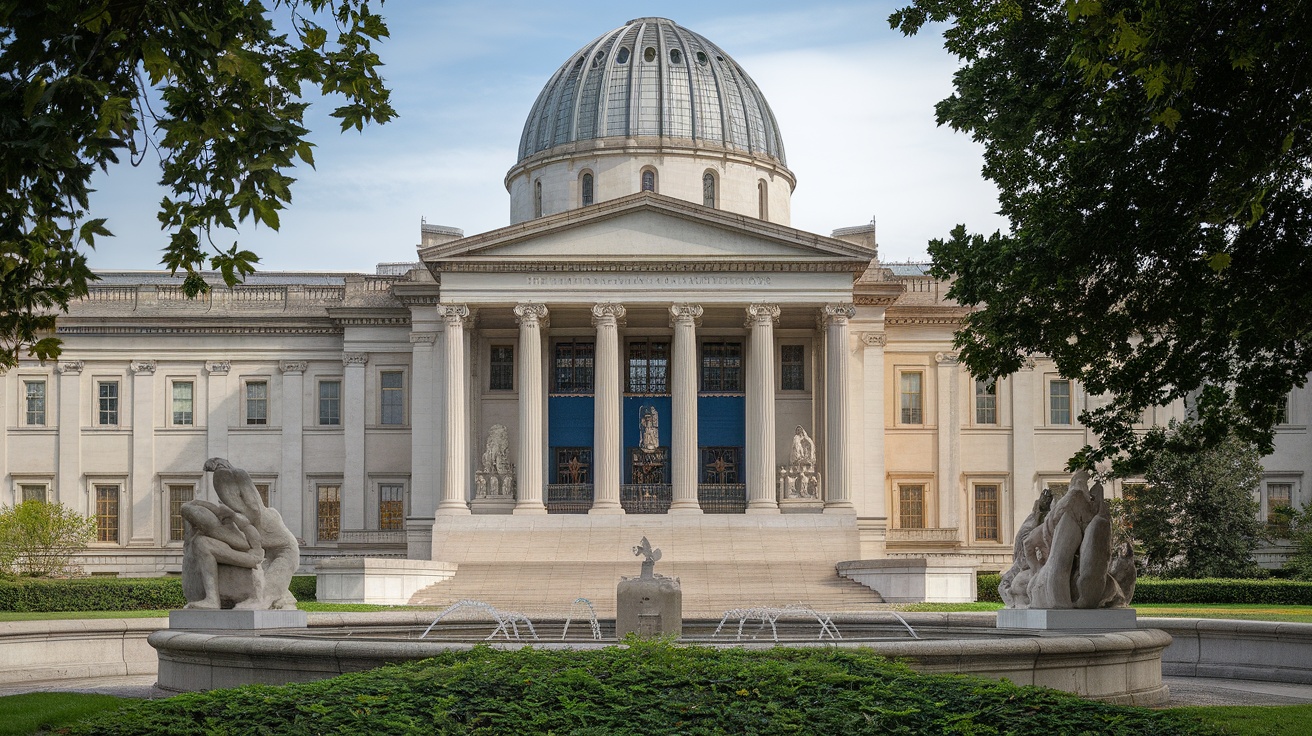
x=211, y=88
x=1153, y=159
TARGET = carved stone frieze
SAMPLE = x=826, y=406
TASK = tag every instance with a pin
x=355, y=358
x=874, y=339
x=423, y=338
x=70, y=367
x=946, y=358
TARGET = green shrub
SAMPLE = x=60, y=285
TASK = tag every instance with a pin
x=38, y=538
x=1209, y=590
x=644, y=688
x=108, y=594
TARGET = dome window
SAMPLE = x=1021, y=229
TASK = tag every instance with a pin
x=649, y=55
x=648, y=180
x=586, y=193
x=763, y=199
x=537, y=198
x=676, y=57
x=596, y=60
x=708, y=189
x=701, y=58
x=622, y=57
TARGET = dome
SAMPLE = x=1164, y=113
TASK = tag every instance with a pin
x=652, y=77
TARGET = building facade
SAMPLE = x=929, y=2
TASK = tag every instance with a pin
x=649, y=337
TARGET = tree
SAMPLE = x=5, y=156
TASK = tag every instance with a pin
x=1195, y=515
x=1153, y=159
x=38, y=539
x=211, y=86
x=1296, y=526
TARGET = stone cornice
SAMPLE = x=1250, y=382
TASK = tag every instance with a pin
x=726, y=266
x=917, y=316
x=349, y=359
x=876, y=293
x=354, y=317
x=107, y=329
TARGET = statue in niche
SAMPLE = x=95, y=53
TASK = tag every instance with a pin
x=495, y=477
x=649, y=430
x=1064, y=556
x=798, y=480
x=236, y=553
x=802, y=453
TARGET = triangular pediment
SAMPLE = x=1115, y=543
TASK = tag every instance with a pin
x=648, y=229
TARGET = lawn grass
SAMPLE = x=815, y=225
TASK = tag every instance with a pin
x=32, y=712
x=1248, y=611
x=1254, y=720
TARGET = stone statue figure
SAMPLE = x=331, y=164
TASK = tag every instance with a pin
x=649, y=439
x=496, y=456
x=1064, y=556
x=236, y=553
x=650, y=556
x=803, y=449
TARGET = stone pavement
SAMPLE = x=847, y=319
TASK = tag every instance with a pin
x=128, y=686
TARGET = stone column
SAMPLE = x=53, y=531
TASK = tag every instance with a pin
x=423, y=450
x=873, y=502
x=606, y=437
x=683, y=409
x=761, y=495
x=838, y=483
x=353, y=421
x=220, y=409
x=70, y=435
x=290, y=491
x=455, y=485
x=141, y=533
x=528, y=465
x=949, y=443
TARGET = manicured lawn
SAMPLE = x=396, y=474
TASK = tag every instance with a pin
x=25, y=714
x=303, y=605
x=1255, y=720
x=1252, y=612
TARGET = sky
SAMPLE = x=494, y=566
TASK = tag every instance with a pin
x=854, y=101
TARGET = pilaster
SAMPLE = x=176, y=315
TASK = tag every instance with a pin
x=948, y=430
x=531, y=318
x=868, y=487
x=142, y=530
x=1022, y=441
x=423, y=420
x=761, y=495
x=220, y=408
x=353, y=421
x=290, y=499
x=69, y=482
x=684, y=318
x=606, y=410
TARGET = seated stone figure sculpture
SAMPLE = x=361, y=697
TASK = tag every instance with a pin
x=236, y=553
x=1064, y=556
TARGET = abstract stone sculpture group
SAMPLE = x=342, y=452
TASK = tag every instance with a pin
x=237, y=553
x=1064, y=557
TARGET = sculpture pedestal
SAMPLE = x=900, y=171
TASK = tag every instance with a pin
x=649, y=607
x=234, y=620
x=1067, y=619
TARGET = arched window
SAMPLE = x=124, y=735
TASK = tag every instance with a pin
x=585, y=189
x=537, y=198
x=648, y=180
x=763, y=199
x=708, y=189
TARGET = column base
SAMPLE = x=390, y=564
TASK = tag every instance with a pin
x=762, y=507
x=530, y=509
x=685, y=507
x=454, y=509
x=844, y=507
x=614, y=510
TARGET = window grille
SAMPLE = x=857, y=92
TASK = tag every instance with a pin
x=257, y=402
x=722, y=367
x=986, y=401
x=573, y=465
x=178, y=495
x=1059, y=401
x=721, y=464
x=574, y=367
x=792, y=368
x=501, y=373
x=588, y=195
x=649, y=364
x=107, y=395
x=35, y=398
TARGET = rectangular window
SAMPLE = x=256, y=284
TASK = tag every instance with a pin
x=792, y=368
x=649, y=364
x=34, y=394
x=986, y=401
x=33, y=492
x=1278, y=495
x=722, y=464
x=329, y=512
x=391, y=506
x=106, y=513
x=393, y=397
x=574, y=367
x=107, y=396
x=501, y=370
x=1282, y=411
x=257, y=402
x=183, y=403
x=912, y=399
x=573, y=465
x=986, y=512
x=1059, y=489
x=911, y=506
x=722, y=367
x=263, y=490
x=178, y=495
x=1059, y=401
x=330, y=403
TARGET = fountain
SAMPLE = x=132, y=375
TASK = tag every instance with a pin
x=592, y=619
x=507, y=621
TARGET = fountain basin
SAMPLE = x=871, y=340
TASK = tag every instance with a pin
x=1113, y=666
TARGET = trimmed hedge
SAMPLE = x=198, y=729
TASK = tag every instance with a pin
x=1209, y=590
x=38, y=595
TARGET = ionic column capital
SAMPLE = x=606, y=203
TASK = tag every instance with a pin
x=70, y=367
x=836, y=314
x=874, y=339
x=605, y=313
x=218, y=367
x=687, y=314
x=454, y=315
x=529, y=313
x=762, y=314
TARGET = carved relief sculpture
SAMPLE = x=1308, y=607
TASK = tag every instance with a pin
x=799, y=480
x=495, y=477
x=1064, y=556
x=236, y=553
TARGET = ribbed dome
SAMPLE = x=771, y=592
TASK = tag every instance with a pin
x=651, y=77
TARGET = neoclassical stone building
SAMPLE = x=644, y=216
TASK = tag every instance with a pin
x=648, y=348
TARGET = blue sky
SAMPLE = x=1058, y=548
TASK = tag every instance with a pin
x=854, y=101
